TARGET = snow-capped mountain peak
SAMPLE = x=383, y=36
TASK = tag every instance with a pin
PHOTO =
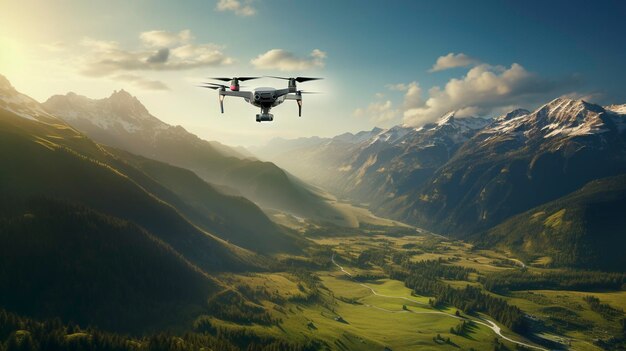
x=21, y=105
x=446, y=119
x=568, y=117
x=120, y=111
x=560, y=118
x=563, y=110
x=512, y=114
x=125, y=103
x=450, y=122
x=387, y=136
x=619, y=109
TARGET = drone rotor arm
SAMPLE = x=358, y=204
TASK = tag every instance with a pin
x=239, y=93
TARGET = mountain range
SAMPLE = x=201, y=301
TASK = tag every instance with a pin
x=373, y=166
x=121, y=121
x=104, y=237
x=518, y=162
x=463, y=176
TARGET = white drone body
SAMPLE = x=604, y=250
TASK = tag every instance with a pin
x=264, y=98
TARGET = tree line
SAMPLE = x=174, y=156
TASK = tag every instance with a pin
x=18, y=333
x=522, y=279
x=423, y=278
x=607, y=311
x=431, y=269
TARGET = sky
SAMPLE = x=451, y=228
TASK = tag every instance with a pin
x=383, y=62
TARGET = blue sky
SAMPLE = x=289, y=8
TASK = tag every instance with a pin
x=378, y=58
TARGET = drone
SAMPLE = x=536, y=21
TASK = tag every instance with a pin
x=265, y=98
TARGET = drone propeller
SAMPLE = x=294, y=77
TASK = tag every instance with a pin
x=241, y=79
x=297, y=79
x=212, y=86
x=308, y=92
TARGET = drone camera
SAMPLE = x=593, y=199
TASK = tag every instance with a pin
x=265, y=117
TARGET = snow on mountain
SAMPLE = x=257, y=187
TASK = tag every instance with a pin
x=119, y=111
x=389, y=136
x=456, y=129
x=387, y=168
x=449, y=122
x=447, y=127
x=619, y=109
x=472, y=123
x=445, y=118
x=620, y=116
x=401, y=157
x=518, y=161
x=572, y=118
x=513, y=114
x=122, y=120
x=21, y=105
x=450, y=129
x=376, y=164
x=560, y=118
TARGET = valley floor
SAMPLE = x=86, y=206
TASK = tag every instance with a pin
x=349, y=304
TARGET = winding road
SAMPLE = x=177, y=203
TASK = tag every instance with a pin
x=489, y=324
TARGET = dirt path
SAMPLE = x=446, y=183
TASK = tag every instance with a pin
x=392, y=297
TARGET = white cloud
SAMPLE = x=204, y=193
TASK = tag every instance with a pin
x=412, y=93
x=378, y=111
x=452, y=60
x=207, y=54
x=162, y=38
x=240, y=8
x=413, y=96
x=161, y=51
x=383, y=110
x=141, y=82
x=283, y=60
x=482, y=90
